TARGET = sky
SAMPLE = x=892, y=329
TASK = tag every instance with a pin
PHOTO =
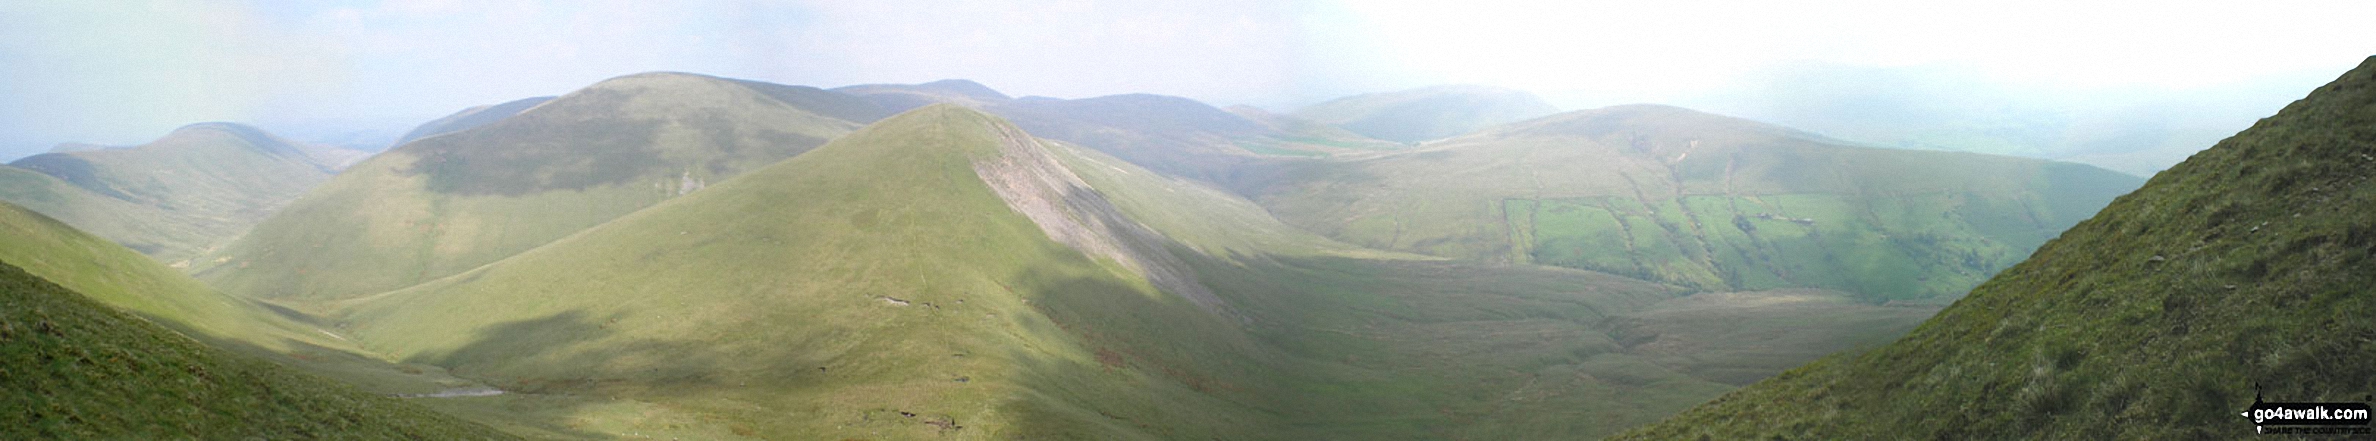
x=127, y=71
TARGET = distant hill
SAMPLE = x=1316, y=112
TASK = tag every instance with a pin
x=1297, y=129
x=87, y=367
x=903, y=97
x=1173, y=135
x=2239, y=275
x=444, y=204
x=1700, y=200
x=942, y=273
x=471, y=118
x=179, y=196
x=1429, y=113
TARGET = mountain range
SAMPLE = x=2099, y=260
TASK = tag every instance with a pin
x=672, y=255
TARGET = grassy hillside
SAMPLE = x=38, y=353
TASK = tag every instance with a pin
x=939, y=273
x=1705, y=201
x=1429, y=113
x=445, y=204
x=2239, y=274
x=123, y=279
x=176, y=197
x=116, y=276
x=81, y=370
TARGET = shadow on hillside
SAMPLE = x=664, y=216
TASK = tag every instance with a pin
x=1330, y=347
x=560, y=365
x=1158, y=366
x=360, y=372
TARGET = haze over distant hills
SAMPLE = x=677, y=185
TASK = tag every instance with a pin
x=1699, y=200
x=1423, y=114
x=470, y=118
x=179, y=196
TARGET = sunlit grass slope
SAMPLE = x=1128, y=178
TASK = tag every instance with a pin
x=174, y=198
x=2240, y=274
x=78, y=369
x=444, y=204
x=1705, y=201
x=1428, y=113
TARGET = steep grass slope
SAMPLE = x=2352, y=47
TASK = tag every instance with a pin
x=1715, y=203
x=123, y=279
x=2239, y=274
x=116, y=276
x=445, y=204
x=174, y=198
x=1428, y=113
x=78, y=369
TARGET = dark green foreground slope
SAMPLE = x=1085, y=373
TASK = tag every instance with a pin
x=2248, y=264
x=73, y=368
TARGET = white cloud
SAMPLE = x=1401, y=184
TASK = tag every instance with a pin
x=1660, y=50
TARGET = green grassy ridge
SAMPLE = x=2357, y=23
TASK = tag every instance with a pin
x=1706, y=201
x=446, y=204
x=1429, y=113
x=79, y=369
x=734, y=319
x=178, y=196
x=2238, y=274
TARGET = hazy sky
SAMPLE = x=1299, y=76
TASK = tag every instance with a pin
x=126, y=71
